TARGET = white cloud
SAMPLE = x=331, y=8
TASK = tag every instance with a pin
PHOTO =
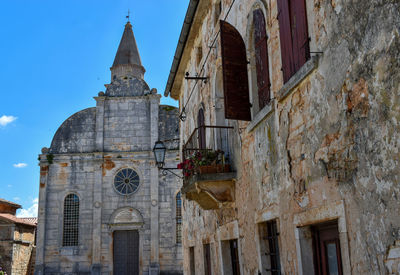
x=4, y=120
x=31, y=211
x=20, y=165
x=16, y=198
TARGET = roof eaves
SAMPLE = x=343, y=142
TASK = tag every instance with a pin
x=10, y=203
x=187, y=24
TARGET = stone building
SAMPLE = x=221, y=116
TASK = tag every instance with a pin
x=302, y=99
x=17, y=240
x=104, y=208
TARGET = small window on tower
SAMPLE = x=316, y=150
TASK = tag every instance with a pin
x=199, y=55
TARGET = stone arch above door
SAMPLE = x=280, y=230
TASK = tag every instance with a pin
x=126, y=218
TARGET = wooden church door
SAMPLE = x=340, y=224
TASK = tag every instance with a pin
x=126, y=252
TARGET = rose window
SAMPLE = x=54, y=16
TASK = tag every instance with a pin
x=126, y=181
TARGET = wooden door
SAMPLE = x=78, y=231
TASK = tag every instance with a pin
x=327, y=254
x=126, y=252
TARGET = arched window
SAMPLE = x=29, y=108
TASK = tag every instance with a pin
x=71, y=220
x=178, y=218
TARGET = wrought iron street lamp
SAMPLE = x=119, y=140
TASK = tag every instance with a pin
x=159, y=151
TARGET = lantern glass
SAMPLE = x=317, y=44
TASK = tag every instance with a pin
x=159, y=153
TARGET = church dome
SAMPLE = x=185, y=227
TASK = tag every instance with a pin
x=77, y=134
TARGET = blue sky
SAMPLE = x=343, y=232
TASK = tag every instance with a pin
x=55, y=56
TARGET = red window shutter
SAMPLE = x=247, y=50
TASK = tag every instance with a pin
x=261, y=56
x=301, y=51
x=234, y=67
x=286, y=39
x=202, y=130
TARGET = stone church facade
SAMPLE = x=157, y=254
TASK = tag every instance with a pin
x=104, y=207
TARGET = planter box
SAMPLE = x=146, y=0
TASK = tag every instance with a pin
x=211, y=169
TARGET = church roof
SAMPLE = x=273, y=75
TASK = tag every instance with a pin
x=127, y=51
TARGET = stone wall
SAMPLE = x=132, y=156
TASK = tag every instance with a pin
x=22, y=249
x=16, y=245
x=326, y=148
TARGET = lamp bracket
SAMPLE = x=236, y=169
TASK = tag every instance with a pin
x=165, y=170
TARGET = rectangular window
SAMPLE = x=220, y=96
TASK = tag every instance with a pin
x=230, y=257
x=320, y=249
x=207, y=259
x=294, y=39
x=269, y=248
x=234, y=257
x=192, y=262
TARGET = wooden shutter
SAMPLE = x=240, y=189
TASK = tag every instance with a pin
x=234, y=66
x=202, y=130
x=261, y=56
x=301, y=51
x=286, y=39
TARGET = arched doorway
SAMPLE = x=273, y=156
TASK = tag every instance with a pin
x=125, y=224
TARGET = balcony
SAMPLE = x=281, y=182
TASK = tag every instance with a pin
x=208, y=176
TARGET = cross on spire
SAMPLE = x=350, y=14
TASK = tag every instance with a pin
x=128, y=15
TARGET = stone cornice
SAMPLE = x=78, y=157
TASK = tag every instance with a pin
x=148, y=96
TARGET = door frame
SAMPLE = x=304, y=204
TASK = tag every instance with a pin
x=332, y=211
x=135, y=224
x=139, y=256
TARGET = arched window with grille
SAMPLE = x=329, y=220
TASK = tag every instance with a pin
x=178, y=218
x=71, y=220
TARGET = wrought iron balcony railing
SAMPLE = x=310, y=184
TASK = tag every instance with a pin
x=208, y=147
x=208, y=176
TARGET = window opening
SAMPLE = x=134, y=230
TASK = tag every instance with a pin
x=270, y=248
x=207, y=259
x=326, y=244
x=71, y=220
x=234, y=257
x=178, y=218
x=199, y=55
x=192, y=263
x=217, y=11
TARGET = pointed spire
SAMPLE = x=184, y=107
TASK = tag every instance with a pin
x=127, y=60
